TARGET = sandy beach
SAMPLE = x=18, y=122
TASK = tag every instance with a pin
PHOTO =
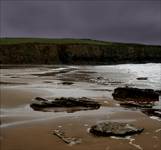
x=23, y=128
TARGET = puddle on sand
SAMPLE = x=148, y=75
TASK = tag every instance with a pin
x=25, y=115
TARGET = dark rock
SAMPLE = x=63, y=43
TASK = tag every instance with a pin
x=49, y=105
x=102, y=90
x=114, y=129
x=14, y=77
x=158, y=91
x=67, y=83
x=48, y=82
x=100, y=78
x=152, y=112
x=41, y=99
x=68, y=140
x=136, y=105
x=142, y=78
x=12, y=83
x=135, y=94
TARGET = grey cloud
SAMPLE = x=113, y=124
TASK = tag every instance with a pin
x=123, y=21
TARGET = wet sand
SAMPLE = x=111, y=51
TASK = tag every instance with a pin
x=22, y=128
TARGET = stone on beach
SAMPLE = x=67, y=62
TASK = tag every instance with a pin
x=142, y=78
x=135, y=94
x=63, y=102
x=152, y=112
x=67, y=83
x=68, y=140
x=138, y=98
x=132, y=104
x=114, y=129
x=158, y=91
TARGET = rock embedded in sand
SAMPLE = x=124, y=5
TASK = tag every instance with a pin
x=67, y=83
x=42, y=104
x=68, y=140
x=114, y=129
x=152, y=112
x=142, y=78
x=135, y=94
x=158, y=91
x=134, y=104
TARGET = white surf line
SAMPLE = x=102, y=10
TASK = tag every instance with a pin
x=120, y=138
x=155, y=118
x=135, y=145
x=158, y=130
x=26, y=121
x=130, y=141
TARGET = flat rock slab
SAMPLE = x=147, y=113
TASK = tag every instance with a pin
x=152, y=112
x=68, y=140
x=142, y=78
x=67, y=83
x=132, y=104
x=114, y=129
x=135, y=94
x=84, y=103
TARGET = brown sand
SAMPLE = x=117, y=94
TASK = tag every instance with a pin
x=39, y=136
x=13, y=97
x=24, y=129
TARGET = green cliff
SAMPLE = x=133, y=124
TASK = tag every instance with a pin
x=74, y=51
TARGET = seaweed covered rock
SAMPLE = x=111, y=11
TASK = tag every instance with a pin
x=135, y=94
x=63, y=102
x=114, y=129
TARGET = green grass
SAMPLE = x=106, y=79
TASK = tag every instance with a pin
x=62, y=51
x=51, y=41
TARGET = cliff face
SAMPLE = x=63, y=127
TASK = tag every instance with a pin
x=77, y=53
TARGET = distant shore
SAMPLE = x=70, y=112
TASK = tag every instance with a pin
x=75, y=51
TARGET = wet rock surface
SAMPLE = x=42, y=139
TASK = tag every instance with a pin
x=12, y=83
x=152, y=112
x=143, y=99
x=135, y=94
x=114, y=129
x=158, y=91
x=142, y=78
x=68, y=140
x=84, y=103
x=130, y=104
x=67, y=83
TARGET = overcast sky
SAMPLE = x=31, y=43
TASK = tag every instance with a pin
x=134, y=21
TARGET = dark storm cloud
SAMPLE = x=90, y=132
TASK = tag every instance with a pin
x=118, y=20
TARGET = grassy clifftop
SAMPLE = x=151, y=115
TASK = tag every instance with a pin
x=74, y=51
